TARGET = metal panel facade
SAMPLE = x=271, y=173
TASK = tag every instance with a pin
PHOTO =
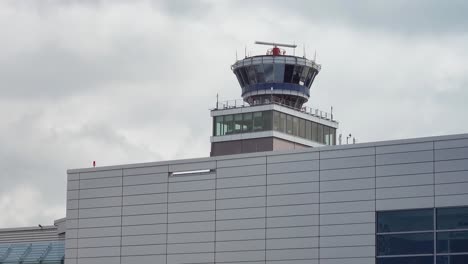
x=308, y=206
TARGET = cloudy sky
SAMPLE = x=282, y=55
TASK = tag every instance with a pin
x=133, y=81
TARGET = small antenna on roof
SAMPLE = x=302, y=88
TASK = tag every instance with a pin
x=236, y=54
x=304, y=51
x=315, y=55
x=245, y=51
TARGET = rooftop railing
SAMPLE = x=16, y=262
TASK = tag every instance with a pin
x=239, y=103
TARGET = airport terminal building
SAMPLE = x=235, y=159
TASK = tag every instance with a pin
x=277, y=189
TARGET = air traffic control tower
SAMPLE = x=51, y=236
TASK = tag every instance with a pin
x=271, y=115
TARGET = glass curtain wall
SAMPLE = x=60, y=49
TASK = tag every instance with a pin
x=423, y=236
x=273, y=120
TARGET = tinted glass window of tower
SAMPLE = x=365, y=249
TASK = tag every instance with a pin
x=416, y=236
x=273, y=120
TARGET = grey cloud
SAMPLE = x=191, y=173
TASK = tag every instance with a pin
x=419, y=17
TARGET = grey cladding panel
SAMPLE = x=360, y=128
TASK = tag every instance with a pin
x=287, y=254
x=451, y=200
x=292, y=157
x=290, y=232
x=240, y=235
x=347, y=207
x=449, y=154
x=101, y=192
x=99, y=242
x=292, y=210
x=99, y=232
x=284, y=243
x=402, y=192
x=192, y=196
x=285, y=167
x=191, y=237
x=304, y=176
x=348, y=252
x=240, y=256
x=241, y=171
x=343, y=185
x=347, y=229
x=144, y=209
x=451, y=188
x=352, y=152
x=290, y=199
x=192, y=177
x=291, y=221
x=191, y=206
x=100, y=212
x=241, y=181
x=404, y=147
x=147, y=259
x=147, y=219
x=190, y=258
x=190, y=248
x=241, y=162
x=344, y=174
x=99, y=222
x=143, y=250
x=405, y=203
x=145, y=189
x=100, y=174
x=347, y=241
x=174, y=228
x=144, y=230
x=456, y=143
x=405, y=180
x=240, y=203
x=145, y=199
x=451, y=165
x=343, y=196
x=240, y=245
x=101, y=202
x=451, y=177
x=292, y=188
x=98, y=252
x=349, y=162
x=145, y=179
x=406, y=157
x=241, y=192
x=101, y=182
x=404, y=169
x=191, y=217
x=191, y=186
x=347, y=218
x=240, y=224
x=146, y=170
x=204, y=165
x=240, y=213
x=143, y=240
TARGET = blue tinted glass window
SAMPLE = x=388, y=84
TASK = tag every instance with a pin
x=268, y=72
x=405, y=244
x=297, y=74
x=239, y=77
x=288, y=73
x=452, y=218
x=452, y=259
x=309, y=77
x=243, y=74
x=259, y=73
x=405, y=220
x=406, y=260
x=251, y=74
x=452, y=242
x=304, y=74
x=279, y=73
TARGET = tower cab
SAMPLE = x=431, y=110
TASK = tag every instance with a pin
x=271, y=115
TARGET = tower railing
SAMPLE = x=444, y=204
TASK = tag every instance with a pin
x=239, y=103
